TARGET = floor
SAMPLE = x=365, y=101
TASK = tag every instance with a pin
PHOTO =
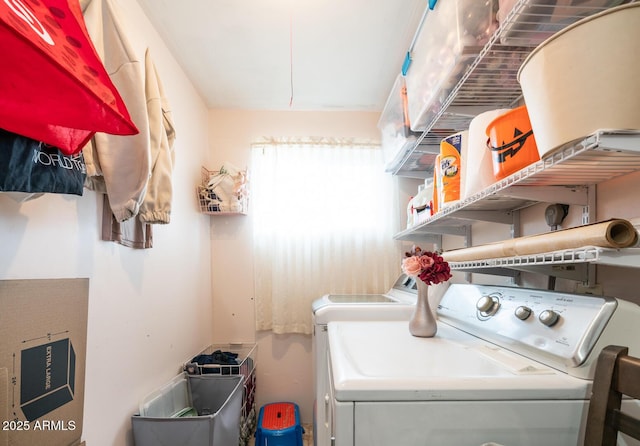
x=307, y=437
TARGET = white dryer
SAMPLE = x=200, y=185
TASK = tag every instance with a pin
x=508, y=365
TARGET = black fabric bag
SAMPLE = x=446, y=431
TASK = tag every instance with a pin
x=218, y=358
x=27, y=165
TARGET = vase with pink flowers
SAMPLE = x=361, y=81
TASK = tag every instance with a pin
x=428, y=268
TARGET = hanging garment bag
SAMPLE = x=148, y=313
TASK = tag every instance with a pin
x=53, y=86
x=27, y=165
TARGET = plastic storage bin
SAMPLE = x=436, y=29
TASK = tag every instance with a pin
x=212, y=420
x=396, y=136
x=450, y=39
x=172, y=400
x=232, y=359
x=279, y=425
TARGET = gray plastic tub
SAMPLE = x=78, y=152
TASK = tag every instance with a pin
x=217, y=400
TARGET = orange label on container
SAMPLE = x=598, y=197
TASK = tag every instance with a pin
x=510, y=149
x=512, y=142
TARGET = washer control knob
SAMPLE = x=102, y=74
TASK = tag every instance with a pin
x=523, y=312
x=488, y=305
x=549, y=318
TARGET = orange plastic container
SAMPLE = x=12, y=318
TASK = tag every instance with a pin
x=511, y=141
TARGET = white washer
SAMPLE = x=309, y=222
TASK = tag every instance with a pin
x=397, y=304
x=508, y=365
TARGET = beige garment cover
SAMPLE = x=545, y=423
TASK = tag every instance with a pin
x=119, y=166
x=156, y=207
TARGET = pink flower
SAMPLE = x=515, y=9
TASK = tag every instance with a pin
x=411, y=266
x=427, y=266
x=425, y=261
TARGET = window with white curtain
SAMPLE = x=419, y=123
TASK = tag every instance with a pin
x=324, y=214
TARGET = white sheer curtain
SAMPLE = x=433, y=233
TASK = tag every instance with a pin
x=324, y=215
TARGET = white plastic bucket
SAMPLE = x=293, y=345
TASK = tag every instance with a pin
x=477, y=171
x=584, y=79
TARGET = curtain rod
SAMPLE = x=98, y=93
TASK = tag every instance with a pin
x=313, y=141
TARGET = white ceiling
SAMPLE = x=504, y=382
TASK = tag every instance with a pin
x=289, y=54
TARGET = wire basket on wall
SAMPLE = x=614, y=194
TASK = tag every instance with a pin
x=223, y=191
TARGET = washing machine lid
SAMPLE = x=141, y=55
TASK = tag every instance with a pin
x=395, y=304
x=382, y=361
x=358, y=298
x=366, y=308
x=330, y=299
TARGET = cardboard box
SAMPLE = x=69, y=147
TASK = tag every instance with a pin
x=4, y=404
x=43, y=338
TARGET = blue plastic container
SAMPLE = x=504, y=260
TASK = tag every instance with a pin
x=279, y=425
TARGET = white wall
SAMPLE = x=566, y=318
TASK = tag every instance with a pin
x=284, y=370
x=148, y=310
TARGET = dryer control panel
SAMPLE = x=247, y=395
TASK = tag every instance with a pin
x=559, y=329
